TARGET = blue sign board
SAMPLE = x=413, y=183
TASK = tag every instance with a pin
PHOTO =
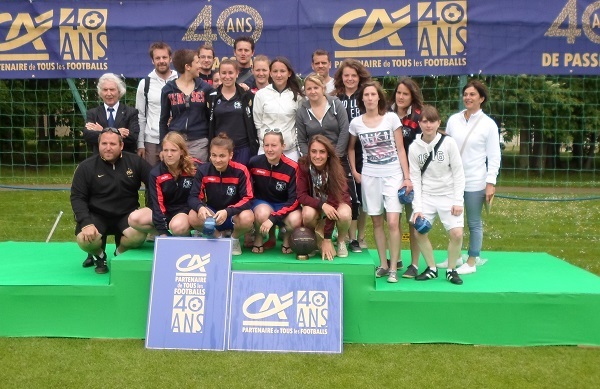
x=299, y=312
x=189, y=294
x=86, y=38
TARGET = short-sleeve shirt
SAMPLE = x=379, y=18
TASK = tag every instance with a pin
x=380, y=155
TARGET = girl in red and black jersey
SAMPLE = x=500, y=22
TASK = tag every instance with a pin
x=407, y=103
x=168, y=191
x=274, y=179
x=222, y=189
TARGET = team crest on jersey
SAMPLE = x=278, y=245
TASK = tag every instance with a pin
x=187, y=183
x=230, y=190
x=129, y=173
x=218, y=101
x=280, y=186
x=237, y=105
x=406, y=132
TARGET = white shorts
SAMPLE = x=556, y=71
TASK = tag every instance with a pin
x=379, y=193
x=442, y=206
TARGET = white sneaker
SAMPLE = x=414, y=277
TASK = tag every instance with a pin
x=342, y=250
x=236, y=247
x=444, y=265
x=466, y=269
x=363, y=243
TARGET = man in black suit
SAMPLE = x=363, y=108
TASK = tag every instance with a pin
x=112, y=113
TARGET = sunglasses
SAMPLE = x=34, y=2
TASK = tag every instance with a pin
x=276, y=130
x=112, y=130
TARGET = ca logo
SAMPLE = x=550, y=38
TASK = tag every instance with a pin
x=272, y=305
x=25, y=30
x=390, y=24
x=188, y=263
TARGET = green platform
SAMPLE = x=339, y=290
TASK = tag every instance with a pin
x=515, y=299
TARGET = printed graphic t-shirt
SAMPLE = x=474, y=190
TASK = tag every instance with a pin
x=380, y=155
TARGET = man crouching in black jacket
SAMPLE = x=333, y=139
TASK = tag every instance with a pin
x=103, y=194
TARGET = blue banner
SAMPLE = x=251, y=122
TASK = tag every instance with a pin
x=298, y=312
x=53, y=39
x=189, y=294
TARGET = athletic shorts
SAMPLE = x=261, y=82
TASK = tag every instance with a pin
x=442, y=205
x=227, y=224
x=107, y=225
x=379, y=193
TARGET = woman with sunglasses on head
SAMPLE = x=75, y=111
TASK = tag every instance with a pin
x=275, y=106
x=222, y=190
x=478, y=140
x=407, y=103
x=323, y=193
x=183, y=104
x=274, y=183
x=168, y=191
x=348, y=79
x=385, y=171
x=231, y=112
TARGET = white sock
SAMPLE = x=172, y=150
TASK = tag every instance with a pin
x=433, y=268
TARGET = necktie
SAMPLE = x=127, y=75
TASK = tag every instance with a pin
x=111, y=117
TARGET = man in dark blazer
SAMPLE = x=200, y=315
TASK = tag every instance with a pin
x=112, y=113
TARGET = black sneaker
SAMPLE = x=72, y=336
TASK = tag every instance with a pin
x=428, y=274
x=411, y=272
x=452, y=276
x=89, y=261
x=355, y=247
x=399, y=264
x=101, y=266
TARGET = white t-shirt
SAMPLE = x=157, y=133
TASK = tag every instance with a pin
x=380, y=154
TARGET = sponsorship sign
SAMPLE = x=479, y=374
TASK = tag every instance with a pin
x=189, y=294
x=86, y=38
x=298, y=312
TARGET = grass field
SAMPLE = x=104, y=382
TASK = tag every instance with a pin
x=566, y=229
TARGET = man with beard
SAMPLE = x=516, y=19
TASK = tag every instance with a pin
x=103, y=194
x=206, y=54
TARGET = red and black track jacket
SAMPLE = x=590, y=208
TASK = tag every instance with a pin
x=168, y=196
x=230, y=190
x=275, y=184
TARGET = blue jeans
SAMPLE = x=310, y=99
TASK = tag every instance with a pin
x=473, y=207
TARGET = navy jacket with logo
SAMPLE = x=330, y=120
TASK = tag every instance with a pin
x=168, y=196
x=275, y=184
x=230, y=190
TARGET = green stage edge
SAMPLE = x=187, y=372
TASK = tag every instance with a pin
x=44, y=291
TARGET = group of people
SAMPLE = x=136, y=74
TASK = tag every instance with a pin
x=254, y=149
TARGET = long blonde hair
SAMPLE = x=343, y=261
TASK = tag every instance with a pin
x=186, y=162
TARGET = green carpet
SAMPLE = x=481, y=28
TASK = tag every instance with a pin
x=514, y=299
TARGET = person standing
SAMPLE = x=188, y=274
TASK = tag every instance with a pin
x=478, y=140
x=348, y=79
x=275, y=106
x=385, y=171
x=407, y=102
x=183, y=104
x=439, y=182
x=104, y=193
x=112, y=113
x=243, y=49
x=321, y=64
x=260, y=69
x=147, y=101
x=206, y=54
x=231, y=112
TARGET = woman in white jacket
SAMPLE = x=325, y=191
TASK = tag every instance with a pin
x=478, y=140
x=275, y=106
